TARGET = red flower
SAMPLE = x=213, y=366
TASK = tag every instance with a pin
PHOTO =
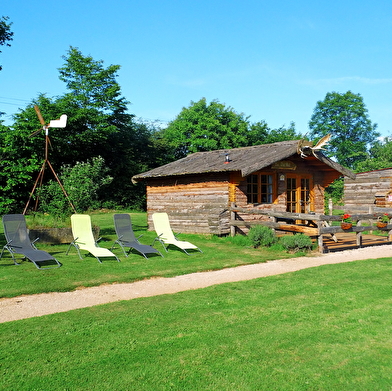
x=346, y=218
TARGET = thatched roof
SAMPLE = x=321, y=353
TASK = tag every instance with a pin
x=246, y=160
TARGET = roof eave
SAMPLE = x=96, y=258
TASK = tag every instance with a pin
x=336, y=166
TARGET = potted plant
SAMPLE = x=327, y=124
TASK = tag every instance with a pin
x=383, y=221
x=347, y=222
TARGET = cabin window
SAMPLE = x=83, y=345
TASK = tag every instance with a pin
x=260, y=189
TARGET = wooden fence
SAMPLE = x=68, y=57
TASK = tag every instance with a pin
x=315, y=225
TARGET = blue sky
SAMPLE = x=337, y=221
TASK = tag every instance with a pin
x=271, y=60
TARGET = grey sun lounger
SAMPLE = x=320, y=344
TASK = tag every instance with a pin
x=126, y=237
x=18, y=242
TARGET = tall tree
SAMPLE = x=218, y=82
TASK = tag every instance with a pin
x=345, y=117
x=206, y=126
x=94, y=105
x=5, y=32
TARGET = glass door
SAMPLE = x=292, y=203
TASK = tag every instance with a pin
x=298, y=190
x=291, y=203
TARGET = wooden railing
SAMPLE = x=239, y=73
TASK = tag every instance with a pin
x=310, y=224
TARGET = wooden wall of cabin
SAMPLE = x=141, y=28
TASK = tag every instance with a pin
x=195, y=203
x=199, y=203
x=369, y=189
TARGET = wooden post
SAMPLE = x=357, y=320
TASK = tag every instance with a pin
x=232, y=218
x=320, y=244
x=274, y=220
x=371, y=209
x=320, y=240
x=330, y=206
x=359, y=234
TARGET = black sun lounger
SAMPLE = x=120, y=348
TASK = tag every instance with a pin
x=126, y=237
x=18, y=242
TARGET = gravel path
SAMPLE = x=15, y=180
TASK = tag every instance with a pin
x=22, y=307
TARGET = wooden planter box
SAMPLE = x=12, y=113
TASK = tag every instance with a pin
x=56, y=235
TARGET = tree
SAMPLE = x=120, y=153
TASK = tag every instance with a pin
x=380, y=156
x=206, y=126
x=18, y=162
x=98, y=125
x=345, y=117
x=82, y=182
x=5, y=33
x=262, y=134
x=95, y=107
x=209, y=126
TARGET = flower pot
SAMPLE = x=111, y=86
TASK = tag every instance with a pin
x=346, y=225
x=380, y=224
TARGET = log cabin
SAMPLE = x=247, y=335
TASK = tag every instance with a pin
x=368, y=191
x=198, y=190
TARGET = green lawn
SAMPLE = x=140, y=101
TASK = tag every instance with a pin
x=324, y=328
x=217, y=253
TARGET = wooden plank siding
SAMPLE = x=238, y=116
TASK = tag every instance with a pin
x=195, y=204
x=368, y=190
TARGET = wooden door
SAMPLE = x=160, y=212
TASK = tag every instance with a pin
x=298, y=190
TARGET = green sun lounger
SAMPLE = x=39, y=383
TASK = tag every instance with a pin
x=166, y=236
x=84, y=239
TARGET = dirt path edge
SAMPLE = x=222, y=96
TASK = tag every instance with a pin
x=28, y=306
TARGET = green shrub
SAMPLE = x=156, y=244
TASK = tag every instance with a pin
x=260, y=235
x=296, y=243
x=81, y=182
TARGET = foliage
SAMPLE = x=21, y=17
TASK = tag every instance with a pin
x=210, y=126
x=19, y=161
x=345, y=117
x=98, y=125
x=81, y=182
x=295, y=243
x=260, y=235
x=380, y=156
x=94, y=106
x=346, y=218
x=260, y=133
x=217, y=338
x=5, y=32
x=335, y=191
x=205, y=127
x=384, y=218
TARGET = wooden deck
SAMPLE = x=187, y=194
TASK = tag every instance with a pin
x=347, y=241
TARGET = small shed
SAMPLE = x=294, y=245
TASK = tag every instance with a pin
x=198, y=190
x=368, y=191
